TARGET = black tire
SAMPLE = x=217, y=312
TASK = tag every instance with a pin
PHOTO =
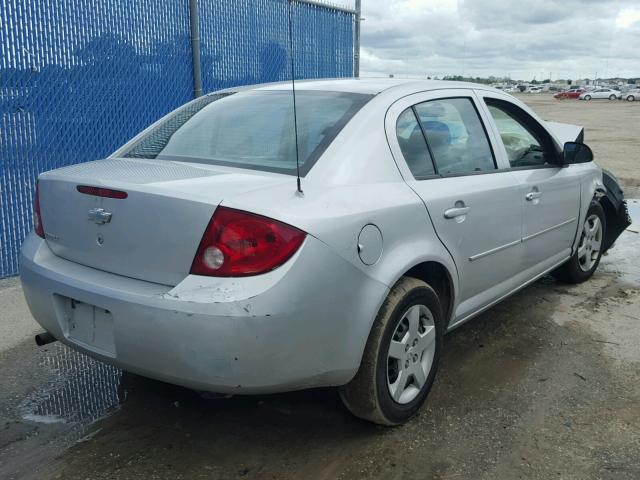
x=587, y=97
x=367, y=395
x=612, y=97
x=571, y=271
x=630, y=98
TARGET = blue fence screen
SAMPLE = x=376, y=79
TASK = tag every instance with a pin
x=78, y=78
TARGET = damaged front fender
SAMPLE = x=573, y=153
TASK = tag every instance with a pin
x=615, y=209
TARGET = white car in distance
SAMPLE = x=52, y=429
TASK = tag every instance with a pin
x=600, y=94
x=630, y=95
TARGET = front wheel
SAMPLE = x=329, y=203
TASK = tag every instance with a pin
x=612, y=97
x=401, y=356
x=587, y=97
x=630, y=98
x=585, y=260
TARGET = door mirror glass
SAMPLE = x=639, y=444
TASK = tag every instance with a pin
x=575, y=152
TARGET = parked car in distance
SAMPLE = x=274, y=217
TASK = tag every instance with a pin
x=600, y=94
x=218, y=251
x=512, y=89
x=630, y=95
x=535, y=90
x=569, y=94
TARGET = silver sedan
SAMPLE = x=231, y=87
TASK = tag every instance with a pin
x=630, y=95
x=221, y=251
x=600, y=94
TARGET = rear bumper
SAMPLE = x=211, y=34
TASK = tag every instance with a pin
x=302, y=325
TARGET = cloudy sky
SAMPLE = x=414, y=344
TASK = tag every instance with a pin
x=520, y=39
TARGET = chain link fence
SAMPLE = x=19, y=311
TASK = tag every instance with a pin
x=78, y=78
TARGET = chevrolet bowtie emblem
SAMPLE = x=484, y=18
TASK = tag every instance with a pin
x=99, y=216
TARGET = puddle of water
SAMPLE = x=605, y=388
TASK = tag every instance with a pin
x=623, y=257
x=634, y=211
x=79, y=390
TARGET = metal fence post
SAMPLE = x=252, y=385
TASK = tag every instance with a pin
x=356, y=41
x=194, y=25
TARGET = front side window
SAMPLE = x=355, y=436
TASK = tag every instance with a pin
x=456, y=137
x=252, y=129
x=524, y=146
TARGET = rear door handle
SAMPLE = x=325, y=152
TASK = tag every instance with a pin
x=456, y=212
x=531, y=196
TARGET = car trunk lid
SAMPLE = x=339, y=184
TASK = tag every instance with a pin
x=154, y=232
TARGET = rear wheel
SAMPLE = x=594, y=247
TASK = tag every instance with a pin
x=630, y=98
x=612, y=97
x=587, y=97
x=585, y=260
x=401, y=356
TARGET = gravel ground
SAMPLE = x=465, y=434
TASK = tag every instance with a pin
x=544, y=385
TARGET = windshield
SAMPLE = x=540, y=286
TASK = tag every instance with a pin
x=252, y=129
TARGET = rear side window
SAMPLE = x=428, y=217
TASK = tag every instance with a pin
x=413, y=144
x=455, y=136
x=252, y=129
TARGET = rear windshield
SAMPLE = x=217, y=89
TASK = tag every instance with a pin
x=252, y=129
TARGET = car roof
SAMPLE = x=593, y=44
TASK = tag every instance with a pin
x=370, y=86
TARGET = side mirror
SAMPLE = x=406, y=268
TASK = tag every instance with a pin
x=575, y=152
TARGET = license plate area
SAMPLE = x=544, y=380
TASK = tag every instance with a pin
x=88, y=325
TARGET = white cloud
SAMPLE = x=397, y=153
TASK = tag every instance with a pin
x=627, y=17
x=568, y=38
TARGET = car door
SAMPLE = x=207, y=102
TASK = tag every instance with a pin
x=549, y=193
x=444, y=153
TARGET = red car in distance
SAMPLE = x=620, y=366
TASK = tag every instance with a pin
x=570, y=94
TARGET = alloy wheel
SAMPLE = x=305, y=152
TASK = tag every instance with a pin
x=590, y=243
x=411, y=354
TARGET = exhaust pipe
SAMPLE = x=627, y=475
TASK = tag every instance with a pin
x=44, y=338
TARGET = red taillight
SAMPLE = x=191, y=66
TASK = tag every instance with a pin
x=238, y=244
x=102, y=192
x=37, y=218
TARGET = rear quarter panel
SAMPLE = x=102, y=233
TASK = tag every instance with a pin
x=336, y=215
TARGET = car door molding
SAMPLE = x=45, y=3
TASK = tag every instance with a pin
x=478, y=256
x=549, y=229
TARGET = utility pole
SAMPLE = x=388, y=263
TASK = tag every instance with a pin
x=194, y=27
x=356, y=40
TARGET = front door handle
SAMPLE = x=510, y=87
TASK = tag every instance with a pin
x=531, y=196
x=456, y=212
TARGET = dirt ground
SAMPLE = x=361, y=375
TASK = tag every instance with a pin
x=544, y=385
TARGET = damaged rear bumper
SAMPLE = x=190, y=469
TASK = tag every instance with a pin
x=293, y=328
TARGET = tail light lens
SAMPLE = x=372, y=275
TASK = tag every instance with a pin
x=238, y=244
x=37, y=218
